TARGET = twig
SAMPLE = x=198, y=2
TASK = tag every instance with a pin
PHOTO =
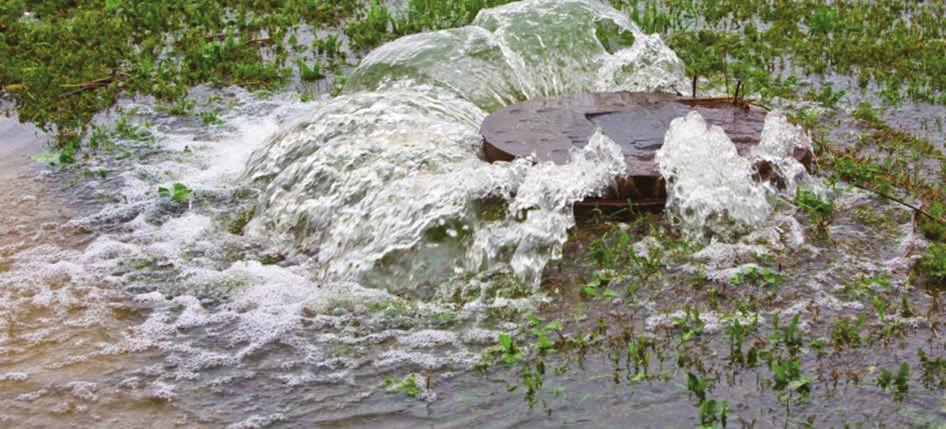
x=90, y=84
x=722, y=98
x=735, y=97
x=81, y=88
x=898, y=200
x=219, y=37
x=742, y=102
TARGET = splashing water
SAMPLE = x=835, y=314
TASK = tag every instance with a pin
x=398, y=157
x=544, y=196
x=780, y=139
x=525, y=50
x=709, y=186
x=383, y=188
x=368, y=211
x=370, y=174
x=402, y=167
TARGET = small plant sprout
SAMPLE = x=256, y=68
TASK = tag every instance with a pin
x=697, y=386
x=178, y=193
x=713, y=414
x=899, y=383
x=818, y=345
x=738, y=332
x=330, y=46
x=786, y=375
x=407, y=386
x=210, y=118
x=819, y=211
x=338, y=83
x=510, y=353
x=906, y=310
x=846, y=332
x=931, y=229
x=542, y=341
x=310, y=73
x=789, y=335
x=933, y=265
x=934, y=370
x=880, y=306
x=827, y=96
x=711, y=411
x=764, y=277
x=691, y=325
x=638, y=357
x=600, y=281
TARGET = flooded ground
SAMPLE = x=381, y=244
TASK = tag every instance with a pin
x=352, y=261
x=52, y=314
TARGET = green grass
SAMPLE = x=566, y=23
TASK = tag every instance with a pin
x=70, y=60
x=407, y=386
x=64, y=62
x=818, y=211
x=377, y=24
x=178, y=193
x=933, y=265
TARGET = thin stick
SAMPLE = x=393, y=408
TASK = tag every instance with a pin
x=91, y=84
x=96, y=83
x=892, y=198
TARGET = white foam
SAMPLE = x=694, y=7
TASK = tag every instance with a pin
x=709, y=186
x=544, y=197
x=777, y=145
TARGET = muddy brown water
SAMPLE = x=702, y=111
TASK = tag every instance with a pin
x=42, y=384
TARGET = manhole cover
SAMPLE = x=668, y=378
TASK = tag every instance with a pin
x=548, y=127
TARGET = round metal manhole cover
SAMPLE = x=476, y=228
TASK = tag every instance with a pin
x=547, y=128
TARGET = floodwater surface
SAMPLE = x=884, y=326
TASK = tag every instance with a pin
x=354, y=262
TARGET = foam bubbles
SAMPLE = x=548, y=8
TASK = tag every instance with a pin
x=779, y=141
x=545, y=194
x=710, y=189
